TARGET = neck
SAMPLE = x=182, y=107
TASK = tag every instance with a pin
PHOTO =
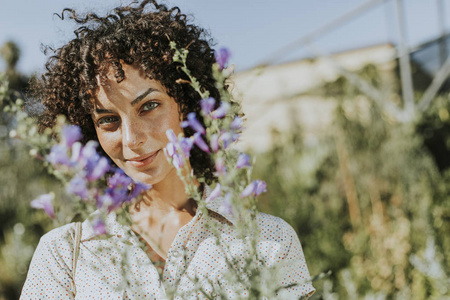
x=167, y=196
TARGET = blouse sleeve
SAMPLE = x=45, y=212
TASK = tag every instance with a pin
x=49, y=275
x=294, y=272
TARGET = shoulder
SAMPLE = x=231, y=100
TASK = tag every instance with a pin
x=280, y=246
x=275, y=228
x=278, y=239
x=62, y=239
x=272, y=220
x=58, y=236
x=58, y=243
x=50, y=269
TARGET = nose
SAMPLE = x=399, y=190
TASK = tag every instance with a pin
x=133, y=134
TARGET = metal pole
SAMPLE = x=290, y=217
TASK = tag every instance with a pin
x=405, y=68
x=439, y=79
x=442, y=39
x=336, y=23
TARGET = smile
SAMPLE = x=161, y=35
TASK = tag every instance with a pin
x=143, y=160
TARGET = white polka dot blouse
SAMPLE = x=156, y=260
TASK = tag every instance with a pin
x=197, y=266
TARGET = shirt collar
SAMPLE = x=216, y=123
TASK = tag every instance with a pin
x=217, y=205
x=112, y=226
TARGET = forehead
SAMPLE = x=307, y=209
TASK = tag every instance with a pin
x=112, y=78
x=135, y=82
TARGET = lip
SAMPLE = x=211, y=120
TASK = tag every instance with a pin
x=142, y=160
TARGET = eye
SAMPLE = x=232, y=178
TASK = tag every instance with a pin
x=149, y=106
x=104, y=121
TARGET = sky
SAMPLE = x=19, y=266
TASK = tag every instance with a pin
x=252, y=29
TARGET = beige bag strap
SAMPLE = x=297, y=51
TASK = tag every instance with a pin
x=76, y=252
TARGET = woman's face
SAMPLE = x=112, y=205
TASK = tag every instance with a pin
x=131, y=119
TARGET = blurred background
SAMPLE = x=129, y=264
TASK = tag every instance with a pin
x=347, y=107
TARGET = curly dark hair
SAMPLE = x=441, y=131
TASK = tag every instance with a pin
x=136, y=36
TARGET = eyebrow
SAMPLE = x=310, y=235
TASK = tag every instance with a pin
x=143, y=95
x=100, y=111
x=134, y=102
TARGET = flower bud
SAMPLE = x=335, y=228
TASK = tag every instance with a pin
x=71, y=134
x=194, y=123
x=221, y=111
x=214, y=143
x=207, y=105
x=171, y=136
x=200, y=142
x=222, y=57
x=243, y=161
x=215, y=193
x=45, y=202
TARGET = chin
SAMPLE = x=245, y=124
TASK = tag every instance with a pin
x=153, y=175
x=143, y=178
x=152, y=178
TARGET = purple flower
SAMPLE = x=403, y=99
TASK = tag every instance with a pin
x=118, y=191
x=226, y=138
x=98, y=169
x=138, y=188
x=58, y=155
x=226, y=208
x=243, y=161
x=255, y=188
x=236, y=124
x=171, y=136
x=215, y=193
x=98, y=225
x=77, y=186
x=94, y=165
x=221, y=111
x=200, y=142
x=113, y=198
x=193, y=123
x=186, y=145
x=222, y=57
x=71, y=134
x=119, y=180
x=171, y=149
x=119, y=196
x=260, y=187
x=250, y=189
x=105, y=200
x=220, y=165
x=215, y=143
x=207, y=105
x=76, y=152
x=44, y=202
x=177, y=161
x=89, y=153
x=235, y=137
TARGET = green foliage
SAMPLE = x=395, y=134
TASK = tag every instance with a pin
x=368, y=200
x=22, y=179
x=10, y=53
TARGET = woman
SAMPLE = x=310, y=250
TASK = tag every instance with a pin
x=117, y=80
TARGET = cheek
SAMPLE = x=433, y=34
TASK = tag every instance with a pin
x=175, y=125
x=109, y=144
x=171, y=120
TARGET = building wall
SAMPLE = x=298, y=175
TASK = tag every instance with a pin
x=277, y=96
